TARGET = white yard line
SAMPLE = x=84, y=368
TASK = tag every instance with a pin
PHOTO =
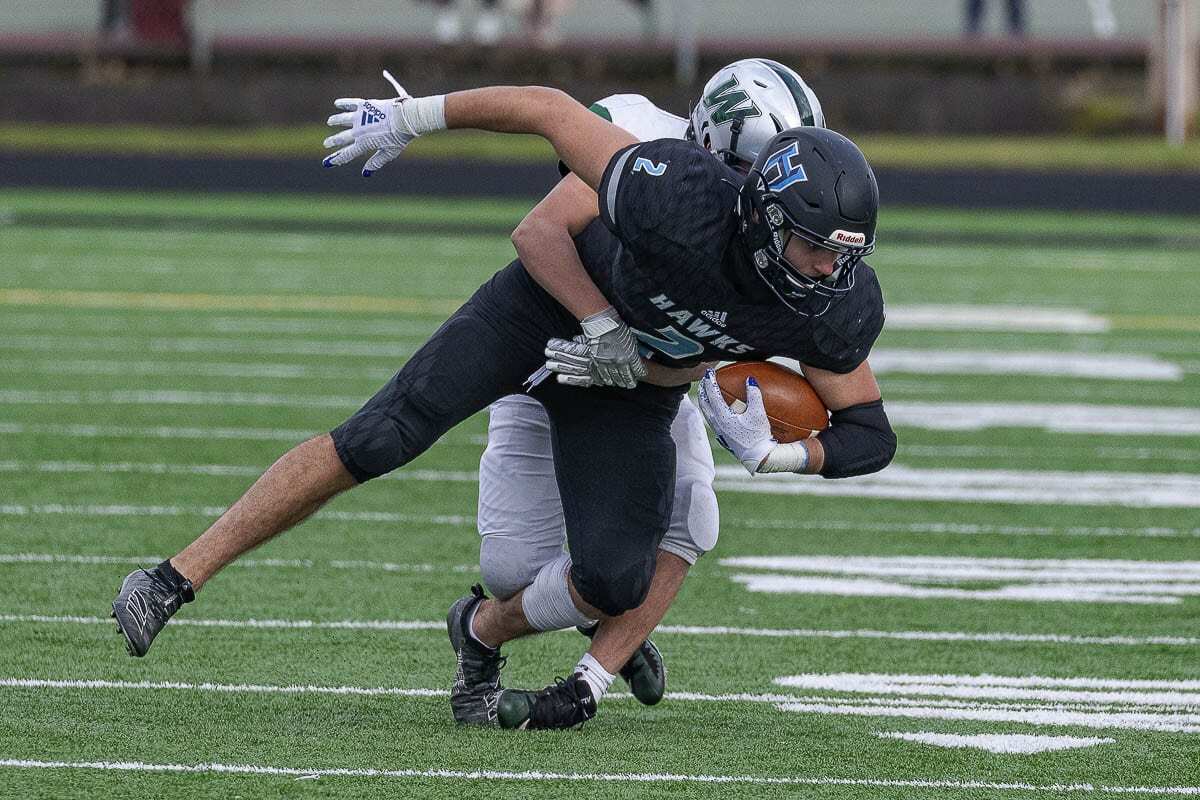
x=1099, y=720
x=898, y=482
x=1022, y=319
x=385, y=517
x=78, y=431
x=964, y=568
x=1005, y=743
x=1058, y=418
x=960, y=528
x=1115, y=366
x=155, y=432
x=684, y=630
x=1102, y=703
x=1053, y=417
x=1037, y=593
x=208, y=345
x=940, y=577
x=601, y=777
x=210, y=470
x=251, y=563
x=124, y=397
x=389, y=518
x=254, y=370
x=1105, y=366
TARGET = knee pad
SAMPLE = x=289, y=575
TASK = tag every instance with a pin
x=615, y=588
x=509, y=565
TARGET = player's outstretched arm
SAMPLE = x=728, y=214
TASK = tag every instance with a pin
x=584, y=141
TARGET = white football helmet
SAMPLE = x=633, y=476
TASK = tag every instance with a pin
x=748, y=102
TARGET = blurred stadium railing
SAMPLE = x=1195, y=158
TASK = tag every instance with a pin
x=1089, y=66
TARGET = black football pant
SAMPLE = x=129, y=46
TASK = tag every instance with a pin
x=613, y=452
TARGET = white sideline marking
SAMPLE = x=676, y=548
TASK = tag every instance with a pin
x=1167, y=706
x=605, y=777
x=686, y=630
x=207, y=345
x=898, y=482
x=1009, y=743
x=1107, y=366
x=994, y=318
x=1056, y=418
x=1032, y=580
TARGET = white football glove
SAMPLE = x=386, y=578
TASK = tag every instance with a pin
x=606, y=354
x=385, y=126
x=747, y=435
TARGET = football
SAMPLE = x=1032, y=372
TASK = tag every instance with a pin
x=795, y=410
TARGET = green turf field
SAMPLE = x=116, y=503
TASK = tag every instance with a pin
x=1126, y=153
x=1027, y=573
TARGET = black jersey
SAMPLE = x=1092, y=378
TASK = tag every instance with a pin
x=664, y=249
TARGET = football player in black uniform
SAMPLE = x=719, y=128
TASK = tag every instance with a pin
x=776, y=255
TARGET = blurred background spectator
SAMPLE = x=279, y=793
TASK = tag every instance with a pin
x=1015, y=16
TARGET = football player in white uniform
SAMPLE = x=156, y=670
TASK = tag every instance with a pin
x=520, y=518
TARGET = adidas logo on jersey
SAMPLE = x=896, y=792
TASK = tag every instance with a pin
x=718, y=317
x=371, y=115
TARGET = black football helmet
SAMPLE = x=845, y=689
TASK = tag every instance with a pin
x=816, y=184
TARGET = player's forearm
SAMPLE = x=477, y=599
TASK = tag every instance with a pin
x=660, y=375
x=583, y=141
x=549, y=255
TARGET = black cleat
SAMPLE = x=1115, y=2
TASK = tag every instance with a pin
x=477, y=680
x=645, y=671
x=564, y=704
x=147, y=599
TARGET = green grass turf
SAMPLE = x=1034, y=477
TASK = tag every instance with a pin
x=1057, y=153
x=96, y=300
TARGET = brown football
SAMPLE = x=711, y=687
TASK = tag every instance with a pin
x=792, y=406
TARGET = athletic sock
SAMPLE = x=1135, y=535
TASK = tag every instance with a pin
x=597, y=677
x=471, y=627
x=547, y=603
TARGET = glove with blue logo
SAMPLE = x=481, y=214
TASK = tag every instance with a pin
x=748, y=434
x=385, y=126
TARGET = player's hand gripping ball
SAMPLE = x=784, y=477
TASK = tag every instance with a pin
x=793, y=407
